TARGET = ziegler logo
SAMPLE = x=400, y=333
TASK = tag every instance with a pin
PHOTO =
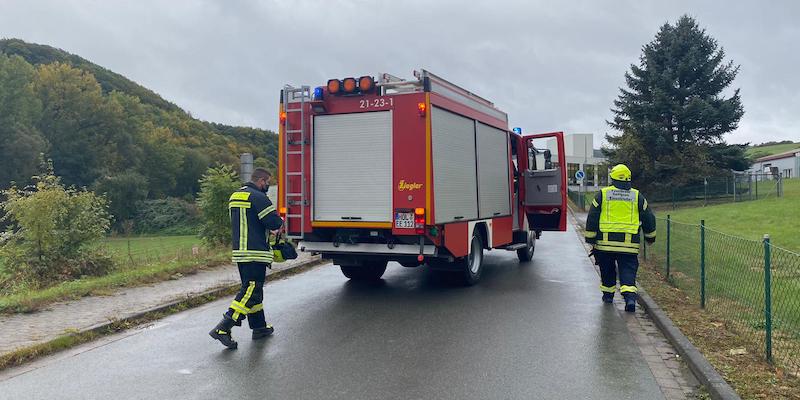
x=403, y=185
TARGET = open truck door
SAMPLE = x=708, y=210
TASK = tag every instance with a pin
x=544, y=184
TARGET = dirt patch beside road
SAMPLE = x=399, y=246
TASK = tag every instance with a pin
x=730, y=353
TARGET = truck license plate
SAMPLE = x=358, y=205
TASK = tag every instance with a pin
x=404, y=220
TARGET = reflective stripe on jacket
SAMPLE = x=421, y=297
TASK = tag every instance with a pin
x=252, y=217
x=614, y=220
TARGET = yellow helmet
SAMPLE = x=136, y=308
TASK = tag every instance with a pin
x=621, y=172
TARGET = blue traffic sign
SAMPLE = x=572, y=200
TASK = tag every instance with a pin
x=579, y=174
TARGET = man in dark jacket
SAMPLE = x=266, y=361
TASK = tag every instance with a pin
x=253, y=217
x=612, y=227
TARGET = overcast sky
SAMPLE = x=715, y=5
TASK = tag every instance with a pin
x=550, y=65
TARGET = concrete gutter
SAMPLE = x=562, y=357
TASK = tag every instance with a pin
x=716, y=385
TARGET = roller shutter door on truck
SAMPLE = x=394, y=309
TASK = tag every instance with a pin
x=353, y=167
x=493, y=178
x=454, y=172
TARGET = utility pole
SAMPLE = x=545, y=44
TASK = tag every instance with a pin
x=246, y=166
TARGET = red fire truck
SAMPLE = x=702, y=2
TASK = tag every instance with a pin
x=420, y=171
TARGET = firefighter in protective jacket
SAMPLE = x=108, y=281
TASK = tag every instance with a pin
x=613, y=228
x=253, y=217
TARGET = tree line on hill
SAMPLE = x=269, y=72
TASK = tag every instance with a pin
x=107, y=133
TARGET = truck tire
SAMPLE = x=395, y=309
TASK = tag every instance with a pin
x=409, y=264
x=525, y=254
x=471, y=266
x=370, y=272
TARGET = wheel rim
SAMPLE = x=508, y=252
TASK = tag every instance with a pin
x=531, y=241
x=475, y=255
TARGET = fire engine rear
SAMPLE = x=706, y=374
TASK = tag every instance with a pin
x=420, y=171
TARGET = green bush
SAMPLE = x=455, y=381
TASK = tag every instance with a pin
x=170, y=216
x=216, y=187
x=52, y=234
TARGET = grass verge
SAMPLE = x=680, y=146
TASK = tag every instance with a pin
x=732, y=354
x=32, y=300
x=69, y=340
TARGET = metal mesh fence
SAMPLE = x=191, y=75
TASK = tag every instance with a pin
x=581, y=200
x=740, y=186
x=785, y=306
x=132, y=255
x=753, y=286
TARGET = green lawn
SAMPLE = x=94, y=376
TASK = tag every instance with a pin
x=756, y=152
x=144, y=249
x=734, y=264
x=140, y=260
x=752, y=219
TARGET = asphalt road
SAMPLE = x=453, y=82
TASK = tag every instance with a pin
x=527, y=331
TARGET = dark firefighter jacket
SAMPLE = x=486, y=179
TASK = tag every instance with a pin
x=252, y=217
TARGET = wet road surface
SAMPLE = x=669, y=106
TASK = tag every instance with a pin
x=526, y=331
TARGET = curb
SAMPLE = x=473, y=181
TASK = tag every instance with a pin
x=716, y=385
x=189, y=301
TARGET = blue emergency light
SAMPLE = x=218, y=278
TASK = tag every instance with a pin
x=517, y=130
x=318, y=93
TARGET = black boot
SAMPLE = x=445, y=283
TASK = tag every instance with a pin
x=630, y=303
x=260, y=333
x=608, y=297
x=222, y=332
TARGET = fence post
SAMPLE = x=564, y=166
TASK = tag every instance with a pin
x=668, y=234
x=702, y=263
x=768, y=298
x=756, y=187
x=705, y=192
x=673, y=199
x=643, y=244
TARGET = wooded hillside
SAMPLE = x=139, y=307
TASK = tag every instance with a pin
x=106, y=132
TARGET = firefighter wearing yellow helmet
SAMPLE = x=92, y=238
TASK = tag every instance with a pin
x=613, y=229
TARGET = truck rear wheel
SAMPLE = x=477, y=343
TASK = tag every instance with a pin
x=525, y=254
x=471, y=266
x=369, y=272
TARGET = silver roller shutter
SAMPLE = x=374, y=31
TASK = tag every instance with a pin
x=454, y=180
x=353, y=167
x=492, y=171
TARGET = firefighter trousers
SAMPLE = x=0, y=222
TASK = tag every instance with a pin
x=626, y=264
x=248, y=302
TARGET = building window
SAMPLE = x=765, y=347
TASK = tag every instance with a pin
x=602, y=175
x=589, y=170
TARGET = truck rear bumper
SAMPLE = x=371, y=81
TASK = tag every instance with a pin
x=366, y=248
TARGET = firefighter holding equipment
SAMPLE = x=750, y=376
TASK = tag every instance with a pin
x=613, y=229
x=252, y=218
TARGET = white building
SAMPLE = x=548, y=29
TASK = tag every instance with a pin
x=788, y=163
x=580, y=154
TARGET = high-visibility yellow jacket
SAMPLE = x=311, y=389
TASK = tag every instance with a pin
x=614, y=220
x=252, y=217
